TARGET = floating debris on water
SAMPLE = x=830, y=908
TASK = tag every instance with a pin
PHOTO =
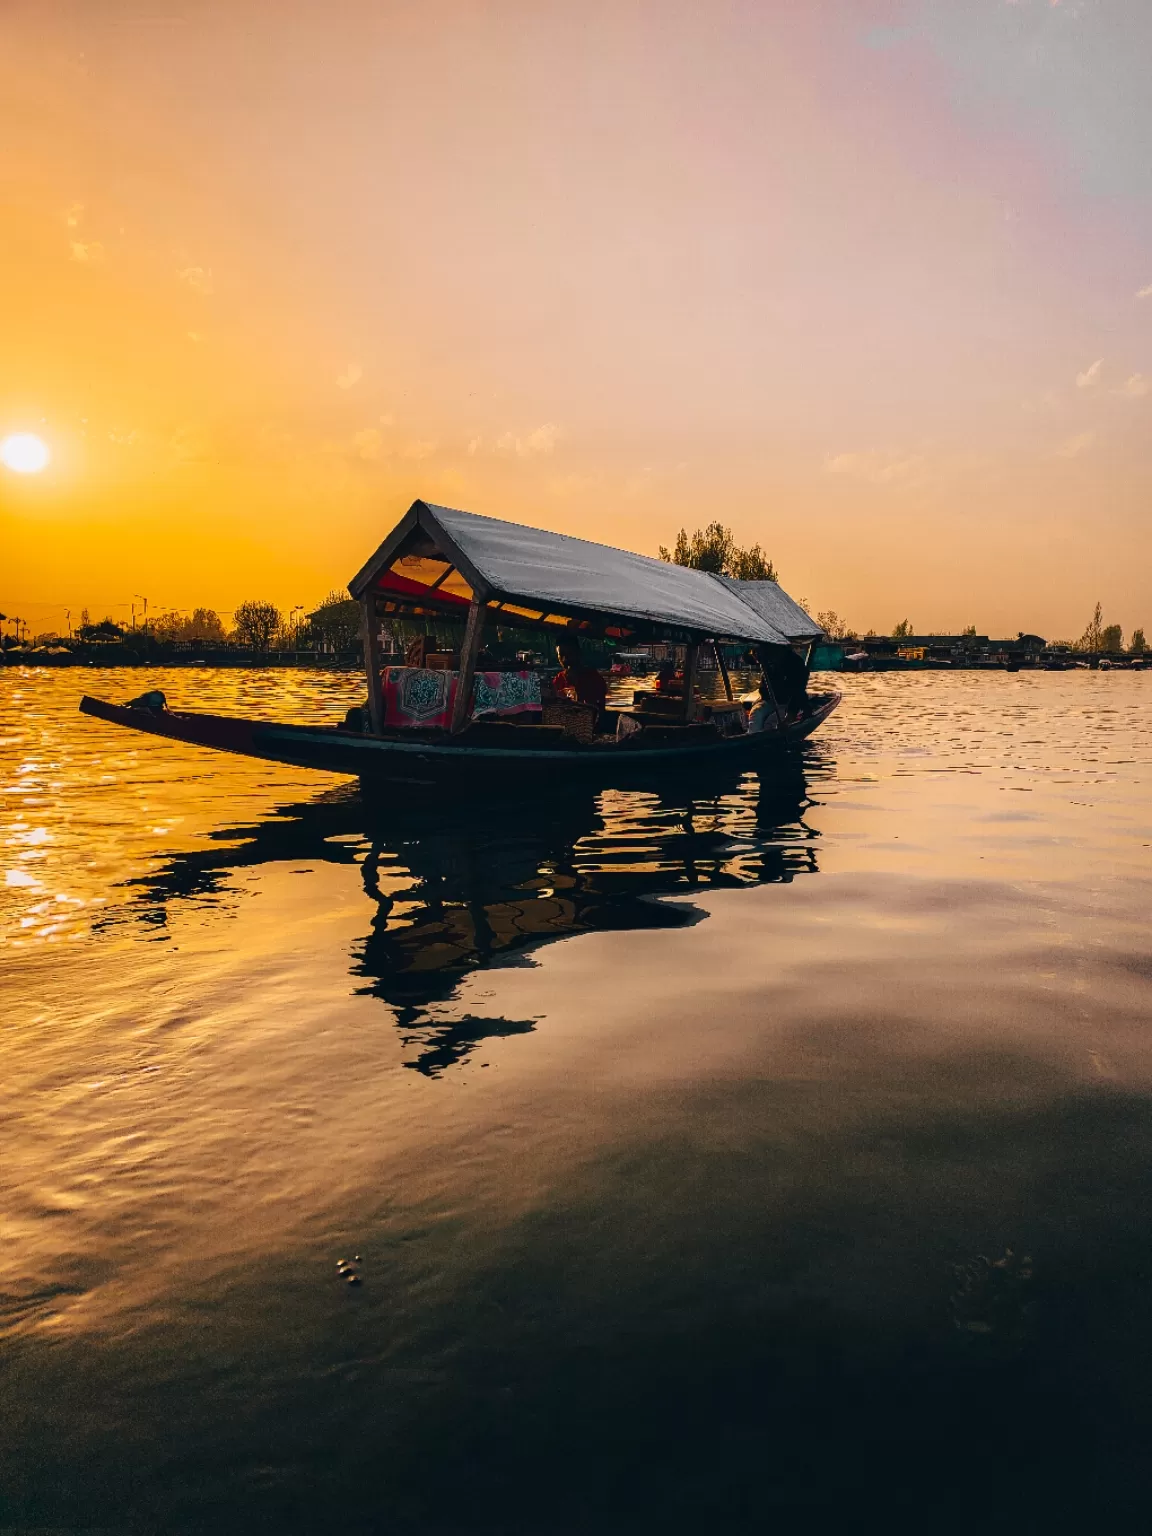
x=993, y=1296
x=346, y=1269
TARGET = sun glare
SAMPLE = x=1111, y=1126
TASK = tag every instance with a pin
x=24, y=452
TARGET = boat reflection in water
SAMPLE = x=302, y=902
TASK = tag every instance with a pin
x=458, y=888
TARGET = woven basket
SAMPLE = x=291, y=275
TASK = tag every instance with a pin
x=576, y=720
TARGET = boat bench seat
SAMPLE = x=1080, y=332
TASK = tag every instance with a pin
x=675, y=735
x=504, y=733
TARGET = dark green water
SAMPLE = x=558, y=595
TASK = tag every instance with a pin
x=709, y=1164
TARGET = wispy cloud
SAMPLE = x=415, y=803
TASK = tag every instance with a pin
x=1145, y=292
x=445, y=483
x=374, y=446
x=877, y=468
x=540, y=441
x=86, y=250
x=199, y=279
x=1090, y=376
x=543, y=440
x=73, y=215
x=351, y=375
x=1072, y=447
x=573, y=485
x=1135, y=386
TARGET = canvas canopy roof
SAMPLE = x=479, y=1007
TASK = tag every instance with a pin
x=775, y=607
x=558, y=574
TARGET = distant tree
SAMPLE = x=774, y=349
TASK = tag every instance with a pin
x=107, y=629
x=201, y=624
x=255, y=623
x=204, y=624
x=1112, y=638
x=1137, y=645
x=1092, y=637
x=903, y=630
x=335, y=625
x=970, y=630
x=166, y=626
x=751, y=564
x=715, y=549
x=834, y=626
x=707, y=550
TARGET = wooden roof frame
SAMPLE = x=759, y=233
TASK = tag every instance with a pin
x=418, y=517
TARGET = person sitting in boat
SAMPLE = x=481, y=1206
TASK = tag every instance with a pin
x=788, y=677
x=577, y=681
x=764, y=716
x=669, y=680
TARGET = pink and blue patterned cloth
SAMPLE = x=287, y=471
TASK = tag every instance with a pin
x=422, y=696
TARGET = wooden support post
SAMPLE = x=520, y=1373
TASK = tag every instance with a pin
x=690, y=654
x=722, y=668
x=370, y=625
x=462, y=704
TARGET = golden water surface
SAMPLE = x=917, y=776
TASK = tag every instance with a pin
x=682, y=1141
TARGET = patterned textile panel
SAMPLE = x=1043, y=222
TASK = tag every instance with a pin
x=505, y=693
x=418, y=696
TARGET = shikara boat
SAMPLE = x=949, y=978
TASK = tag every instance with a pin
x=454, y=569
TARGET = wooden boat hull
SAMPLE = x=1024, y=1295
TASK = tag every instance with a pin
x=376, y=759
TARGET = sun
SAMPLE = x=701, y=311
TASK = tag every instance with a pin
x=24, y=452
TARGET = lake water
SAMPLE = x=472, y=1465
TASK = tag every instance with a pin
x=696, y=1161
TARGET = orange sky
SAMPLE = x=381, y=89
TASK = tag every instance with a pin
x=860, y=279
